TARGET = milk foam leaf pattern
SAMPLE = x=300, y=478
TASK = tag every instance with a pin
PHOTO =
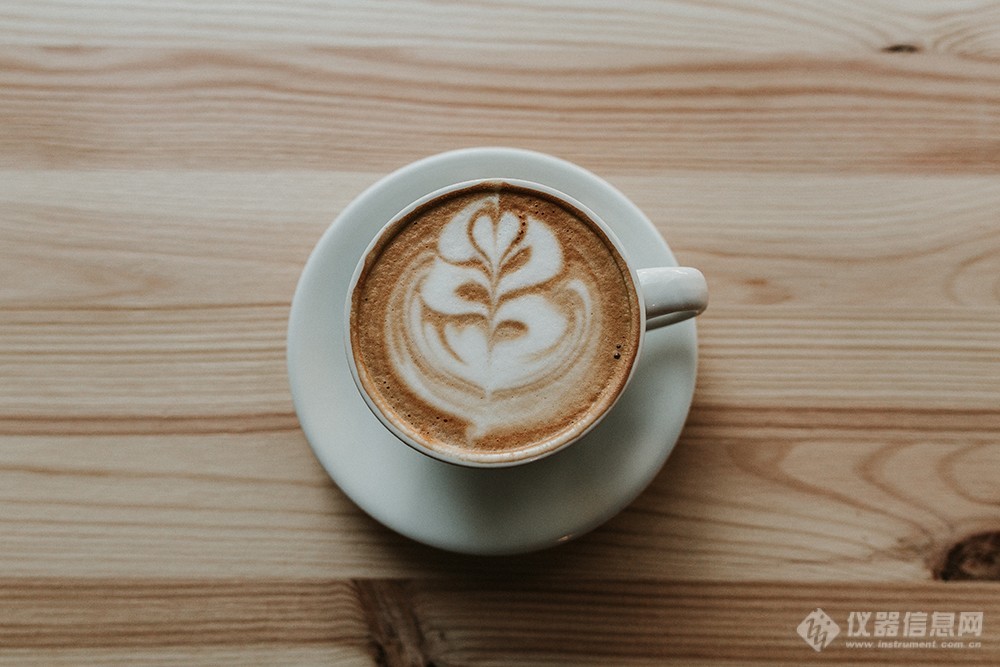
x=489, y=316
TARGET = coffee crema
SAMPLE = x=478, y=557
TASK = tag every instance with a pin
x=494, y=323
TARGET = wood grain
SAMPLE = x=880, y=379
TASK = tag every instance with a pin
x=443, y=622
x=377, y=108
x=747, y=495
x=167, y=166
x=682, y=27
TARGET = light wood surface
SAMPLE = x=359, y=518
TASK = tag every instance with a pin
x=167, y=166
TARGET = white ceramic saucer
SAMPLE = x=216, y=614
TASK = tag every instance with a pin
x=471, y=510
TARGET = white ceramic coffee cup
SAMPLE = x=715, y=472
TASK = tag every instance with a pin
x=667, y=295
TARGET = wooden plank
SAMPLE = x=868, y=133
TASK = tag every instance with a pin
x=305, y=655
x=373, y=109
x=967, y=27
x=740, y=499
x=116, y=613
x=621, y=622
x=470, y=622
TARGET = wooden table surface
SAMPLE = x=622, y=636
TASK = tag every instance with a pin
x=167, y=166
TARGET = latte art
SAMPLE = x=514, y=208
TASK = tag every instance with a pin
x=494, y=320
x=486, y=320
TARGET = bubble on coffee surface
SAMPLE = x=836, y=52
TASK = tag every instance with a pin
x=490, y=328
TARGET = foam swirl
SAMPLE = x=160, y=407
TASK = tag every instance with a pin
x=490, y=323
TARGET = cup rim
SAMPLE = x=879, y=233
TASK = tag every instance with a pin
x=540, y=450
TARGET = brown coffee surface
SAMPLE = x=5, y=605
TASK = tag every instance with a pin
x=494, y=323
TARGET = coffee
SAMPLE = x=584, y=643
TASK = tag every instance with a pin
x=494, y=323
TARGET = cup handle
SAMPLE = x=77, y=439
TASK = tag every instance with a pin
x=672, y=294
